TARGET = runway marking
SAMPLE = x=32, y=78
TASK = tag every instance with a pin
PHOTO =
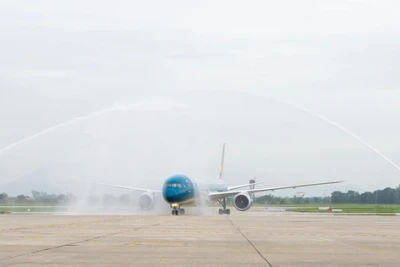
x=156, y=243
x=259, y=253
x=71, y=225
x=339, y=242
x=32, y=236
x=186, y=217
x=56, y=247
x=361, y=249
x=82, y=241
x=327, y=239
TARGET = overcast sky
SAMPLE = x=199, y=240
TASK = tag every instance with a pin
x=205, y=66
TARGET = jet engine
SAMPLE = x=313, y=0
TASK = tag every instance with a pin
x=146, y=201
x=242, y=201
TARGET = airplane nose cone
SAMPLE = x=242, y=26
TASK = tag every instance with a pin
x=170, y=195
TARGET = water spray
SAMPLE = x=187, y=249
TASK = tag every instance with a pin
x=142, y=105
x=325, y=119
x=333, y=123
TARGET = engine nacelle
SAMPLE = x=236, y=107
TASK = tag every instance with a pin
x=147, y=201
x=242, y=201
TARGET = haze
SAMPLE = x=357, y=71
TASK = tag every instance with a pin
x=202, y=67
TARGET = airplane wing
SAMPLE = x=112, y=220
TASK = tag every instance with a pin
x=241, y=186
x=219, y=195
x=130, y=188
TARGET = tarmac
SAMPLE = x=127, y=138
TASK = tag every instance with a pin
x=252, y=238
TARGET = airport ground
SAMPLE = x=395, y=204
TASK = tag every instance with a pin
x=382, y=209
x=254, y=238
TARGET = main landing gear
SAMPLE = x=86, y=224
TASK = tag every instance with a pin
x=177, y=211
x=224, y=210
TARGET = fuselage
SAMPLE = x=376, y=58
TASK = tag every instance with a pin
x=181, y=189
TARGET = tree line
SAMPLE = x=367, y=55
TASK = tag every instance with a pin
x=384, y=196
x=43, y=198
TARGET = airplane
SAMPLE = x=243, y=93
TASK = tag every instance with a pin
x=181, y=189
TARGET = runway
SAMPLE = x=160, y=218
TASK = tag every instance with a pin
x=253, y=238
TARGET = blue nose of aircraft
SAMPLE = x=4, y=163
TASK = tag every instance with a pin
x=170, y=195
x=178, y=189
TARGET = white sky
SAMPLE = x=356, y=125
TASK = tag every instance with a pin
x=60, y=60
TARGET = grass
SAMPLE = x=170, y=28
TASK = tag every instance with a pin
x=8, y=209
x=316, y=205
x=346, y=208
x=351, y=208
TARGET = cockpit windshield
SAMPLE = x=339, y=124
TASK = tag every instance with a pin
x=174, y=185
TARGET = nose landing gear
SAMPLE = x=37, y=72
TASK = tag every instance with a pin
x=176, y=210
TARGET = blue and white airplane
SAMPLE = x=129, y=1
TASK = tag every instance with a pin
x=180, y=189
